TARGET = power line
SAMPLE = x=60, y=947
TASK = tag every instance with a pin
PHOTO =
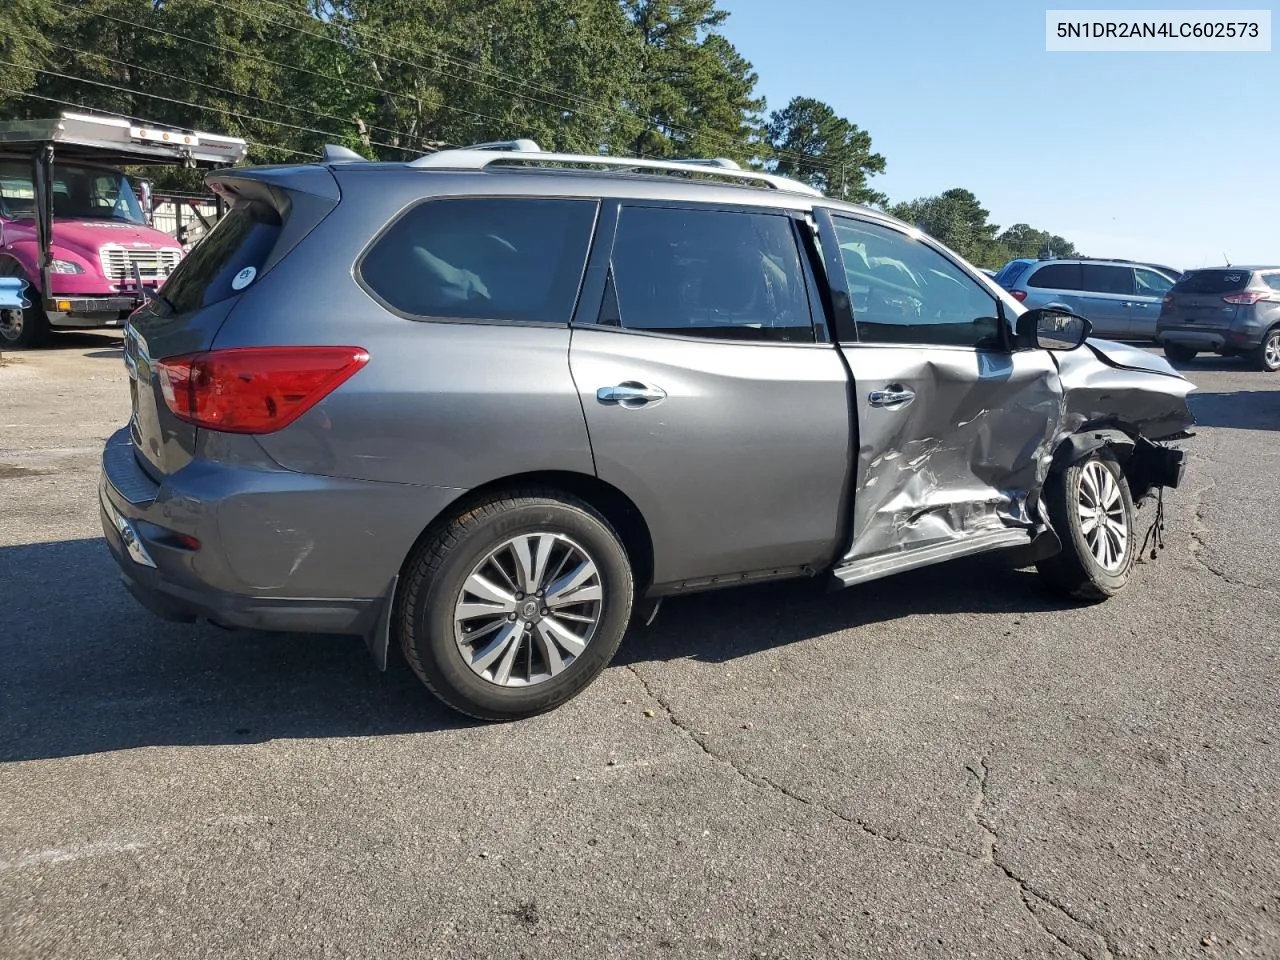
x=80, y=106
x=276, y=63
x=611, y=111
x=234, y=93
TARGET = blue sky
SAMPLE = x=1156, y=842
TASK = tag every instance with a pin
x=1171, y=157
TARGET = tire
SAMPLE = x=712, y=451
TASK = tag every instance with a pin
x=26, y=328
x=1083, y=570
x=534, y=671
x=1266, y=356
x=1179, y=353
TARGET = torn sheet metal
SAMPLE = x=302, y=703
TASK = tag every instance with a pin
x=969, y=451
x=961, y=456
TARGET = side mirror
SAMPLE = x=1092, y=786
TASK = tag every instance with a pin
x=146, y=201
x=1048, y=328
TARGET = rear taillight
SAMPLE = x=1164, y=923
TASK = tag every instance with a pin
x=254, y=389
x=1246, y=298
x=1018, y=295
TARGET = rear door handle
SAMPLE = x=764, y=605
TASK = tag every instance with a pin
x=892, y=396
x=630, y=393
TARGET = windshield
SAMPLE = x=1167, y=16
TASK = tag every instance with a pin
x=79, y=193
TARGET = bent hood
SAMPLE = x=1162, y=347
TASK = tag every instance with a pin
x=1128, y=357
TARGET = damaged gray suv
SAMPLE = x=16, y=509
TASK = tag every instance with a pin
x=483, y=405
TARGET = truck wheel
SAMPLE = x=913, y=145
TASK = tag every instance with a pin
x=1267, y=355
x=516, y=605
x=23, y=328
x=1179, y=353
x=1092, y=511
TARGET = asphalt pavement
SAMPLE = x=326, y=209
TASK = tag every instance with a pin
x=949, y=763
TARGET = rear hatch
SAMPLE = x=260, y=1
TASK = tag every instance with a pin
x=271, y=210
x=1196, y=300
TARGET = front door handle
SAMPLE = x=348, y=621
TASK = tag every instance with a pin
x=891, y=396
x=631, y=394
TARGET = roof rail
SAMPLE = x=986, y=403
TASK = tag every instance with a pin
x=480, y=159
x=523, y=145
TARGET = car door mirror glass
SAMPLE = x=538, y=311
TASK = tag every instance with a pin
x=1051, y=329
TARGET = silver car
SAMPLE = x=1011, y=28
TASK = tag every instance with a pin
x=485, y=405
x=1120, y=298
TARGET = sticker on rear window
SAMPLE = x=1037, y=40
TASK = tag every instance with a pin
x=244, y=278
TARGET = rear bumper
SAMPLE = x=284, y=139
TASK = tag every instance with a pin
x=277, y=550
x=1229, y=339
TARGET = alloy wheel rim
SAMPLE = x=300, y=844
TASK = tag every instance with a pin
x=1271, y=353
x=1100, y=507
x=528, y=610
x=11, y=325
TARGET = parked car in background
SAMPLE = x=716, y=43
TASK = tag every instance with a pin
x=1232, y=311
x=1121, y=298
x=479, y=404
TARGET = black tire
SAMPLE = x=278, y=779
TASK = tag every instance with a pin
x=1076, y=571
x=1266, y=356
x=432, y=587
x=27, y=328
x=1179, y=353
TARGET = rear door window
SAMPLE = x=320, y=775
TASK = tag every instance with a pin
x=1056, y=276
x=708, y=273
x=1101, y=278
x=483, y=258
x=1273, y=280
x=226, y=260
x=1212, y=281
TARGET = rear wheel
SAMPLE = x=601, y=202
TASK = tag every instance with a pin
x=23, y=328
x=516, y=605
x=1267, y=355
x=1179, y=353
x=1093, y=514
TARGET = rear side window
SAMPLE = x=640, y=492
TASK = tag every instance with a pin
x=1273, y=280
x=1104, y=279
x=1212, y=281
x=483, y=258
x=226, y=260
x=1056, y=276
x=707, y=273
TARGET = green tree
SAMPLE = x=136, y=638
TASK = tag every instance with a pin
x=1023, y=240
x=695, y=94
x=957, y=219
x=811, y=143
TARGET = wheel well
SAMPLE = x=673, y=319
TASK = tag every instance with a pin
x=614, y=505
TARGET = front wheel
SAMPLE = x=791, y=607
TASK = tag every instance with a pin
x=1179, y=353
x=1267, y=356
x=516, y=605
x=1092, y=511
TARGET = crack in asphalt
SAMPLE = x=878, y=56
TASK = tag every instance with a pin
x=1031, y=898
x=1199, y=548
x=1028, y=894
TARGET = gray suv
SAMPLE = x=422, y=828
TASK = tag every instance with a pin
x=1120, y=298
x=1232, y=311
x=482, y=405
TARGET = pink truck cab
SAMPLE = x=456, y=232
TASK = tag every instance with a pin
x=76, y=228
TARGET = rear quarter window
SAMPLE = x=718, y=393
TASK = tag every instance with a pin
x=226, y=260
x=1212, y=281
x=488, y=258
x=1056, y=276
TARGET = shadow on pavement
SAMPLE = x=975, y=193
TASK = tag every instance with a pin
x=84, y=669
x=1244, y=409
